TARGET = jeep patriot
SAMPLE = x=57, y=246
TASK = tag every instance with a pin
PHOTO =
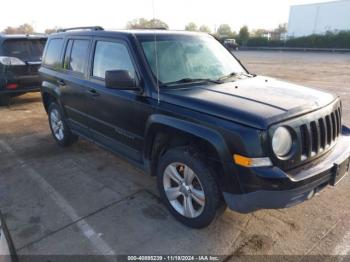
x=184, y=109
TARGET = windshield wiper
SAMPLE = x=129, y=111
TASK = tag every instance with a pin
x=191, y=80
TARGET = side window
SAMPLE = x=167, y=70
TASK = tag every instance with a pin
x=76, y=56
x=111, y=56
x=53, y=53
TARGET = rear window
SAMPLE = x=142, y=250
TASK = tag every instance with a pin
x=24, y=49
x=53, y=53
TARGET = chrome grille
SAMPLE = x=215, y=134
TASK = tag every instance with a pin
x=320, y=134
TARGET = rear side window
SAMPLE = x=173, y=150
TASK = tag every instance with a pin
x=76, y=56
x=53, y=53
x=24, y=49
x=111, y=56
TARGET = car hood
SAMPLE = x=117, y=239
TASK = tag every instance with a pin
x=257, y=102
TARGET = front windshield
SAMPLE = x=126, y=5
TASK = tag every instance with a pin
x=189, y=57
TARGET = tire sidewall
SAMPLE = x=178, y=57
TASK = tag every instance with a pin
x=66, y=132
x=209, y=185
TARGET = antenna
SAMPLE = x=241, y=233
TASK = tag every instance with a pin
x=155, y=52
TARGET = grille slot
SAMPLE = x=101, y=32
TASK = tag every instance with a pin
x=305, y=141
x=323, y=133
x=334, y=126
x=329, y=131
x=315, y=139
x=319, y=134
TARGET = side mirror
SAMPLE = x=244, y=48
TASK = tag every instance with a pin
x=120, y=79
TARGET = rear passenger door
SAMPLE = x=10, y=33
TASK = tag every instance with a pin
x=72, y=83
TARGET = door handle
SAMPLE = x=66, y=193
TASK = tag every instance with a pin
x=93, y=92
x=61, y=82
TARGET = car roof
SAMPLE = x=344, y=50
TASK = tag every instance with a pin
x=4, y=37
x=21, y=36
x=130, y=32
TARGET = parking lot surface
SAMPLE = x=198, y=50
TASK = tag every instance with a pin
x=85, y=200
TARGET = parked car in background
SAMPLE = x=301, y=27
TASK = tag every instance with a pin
x=181, y=107
x=231, y=44
x=20, y=59
x=7, y=249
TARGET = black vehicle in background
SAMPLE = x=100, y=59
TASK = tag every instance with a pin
x=182, y=107
x=20, y=59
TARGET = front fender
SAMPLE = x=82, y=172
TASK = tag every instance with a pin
x=211, y=136
x=229, y=181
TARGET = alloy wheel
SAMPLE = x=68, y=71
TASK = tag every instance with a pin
x=57, y=124
x=184, y=190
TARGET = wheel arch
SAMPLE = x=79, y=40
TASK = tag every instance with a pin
x=163, y=132
x=49, y=93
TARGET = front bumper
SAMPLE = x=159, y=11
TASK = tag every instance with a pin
x=279, y=189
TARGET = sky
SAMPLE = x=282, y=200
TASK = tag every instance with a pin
x=114, y=14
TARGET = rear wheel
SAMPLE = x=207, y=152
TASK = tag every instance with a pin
x=5, y=100
x=188, y=188
x=59, y=128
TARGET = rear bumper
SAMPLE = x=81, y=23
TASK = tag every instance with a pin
x=281, y=189
x=21, y=90
x=31, y=83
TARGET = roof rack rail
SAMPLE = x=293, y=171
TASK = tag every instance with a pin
x=92, y=28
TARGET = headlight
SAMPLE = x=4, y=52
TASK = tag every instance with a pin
x=282, y=142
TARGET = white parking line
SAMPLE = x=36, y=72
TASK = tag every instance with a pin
x=100, y=245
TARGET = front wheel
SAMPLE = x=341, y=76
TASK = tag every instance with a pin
x=188, y=188
x=59, y=128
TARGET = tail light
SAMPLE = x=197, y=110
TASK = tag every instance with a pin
x=11, y=61
x=11, y=86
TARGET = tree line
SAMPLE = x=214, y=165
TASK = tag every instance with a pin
x=244, y=37
x=224, y=31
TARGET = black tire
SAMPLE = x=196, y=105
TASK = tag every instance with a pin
x=213, y=198
x=66, y=137
x=5, y=100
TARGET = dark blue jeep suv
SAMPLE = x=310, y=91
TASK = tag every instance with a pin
x=185, y=110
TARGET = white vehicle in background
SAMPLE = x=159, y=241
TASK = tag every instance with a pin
x=231, y=44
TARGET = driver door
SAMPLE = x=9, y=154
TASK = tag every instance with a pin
x=117, y=117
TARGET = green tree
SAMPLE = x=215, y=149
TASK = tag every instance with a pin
x=157, y=23
x=244, y=35
x=259, y=32
x=281, y=29
x=22, y=29
x=205, y=29
x=143, y=23
x=51, y=30
x=191, y=27
x=224, y=31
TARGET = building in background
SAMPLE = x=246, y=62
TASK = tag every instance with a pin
x=319, y=18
